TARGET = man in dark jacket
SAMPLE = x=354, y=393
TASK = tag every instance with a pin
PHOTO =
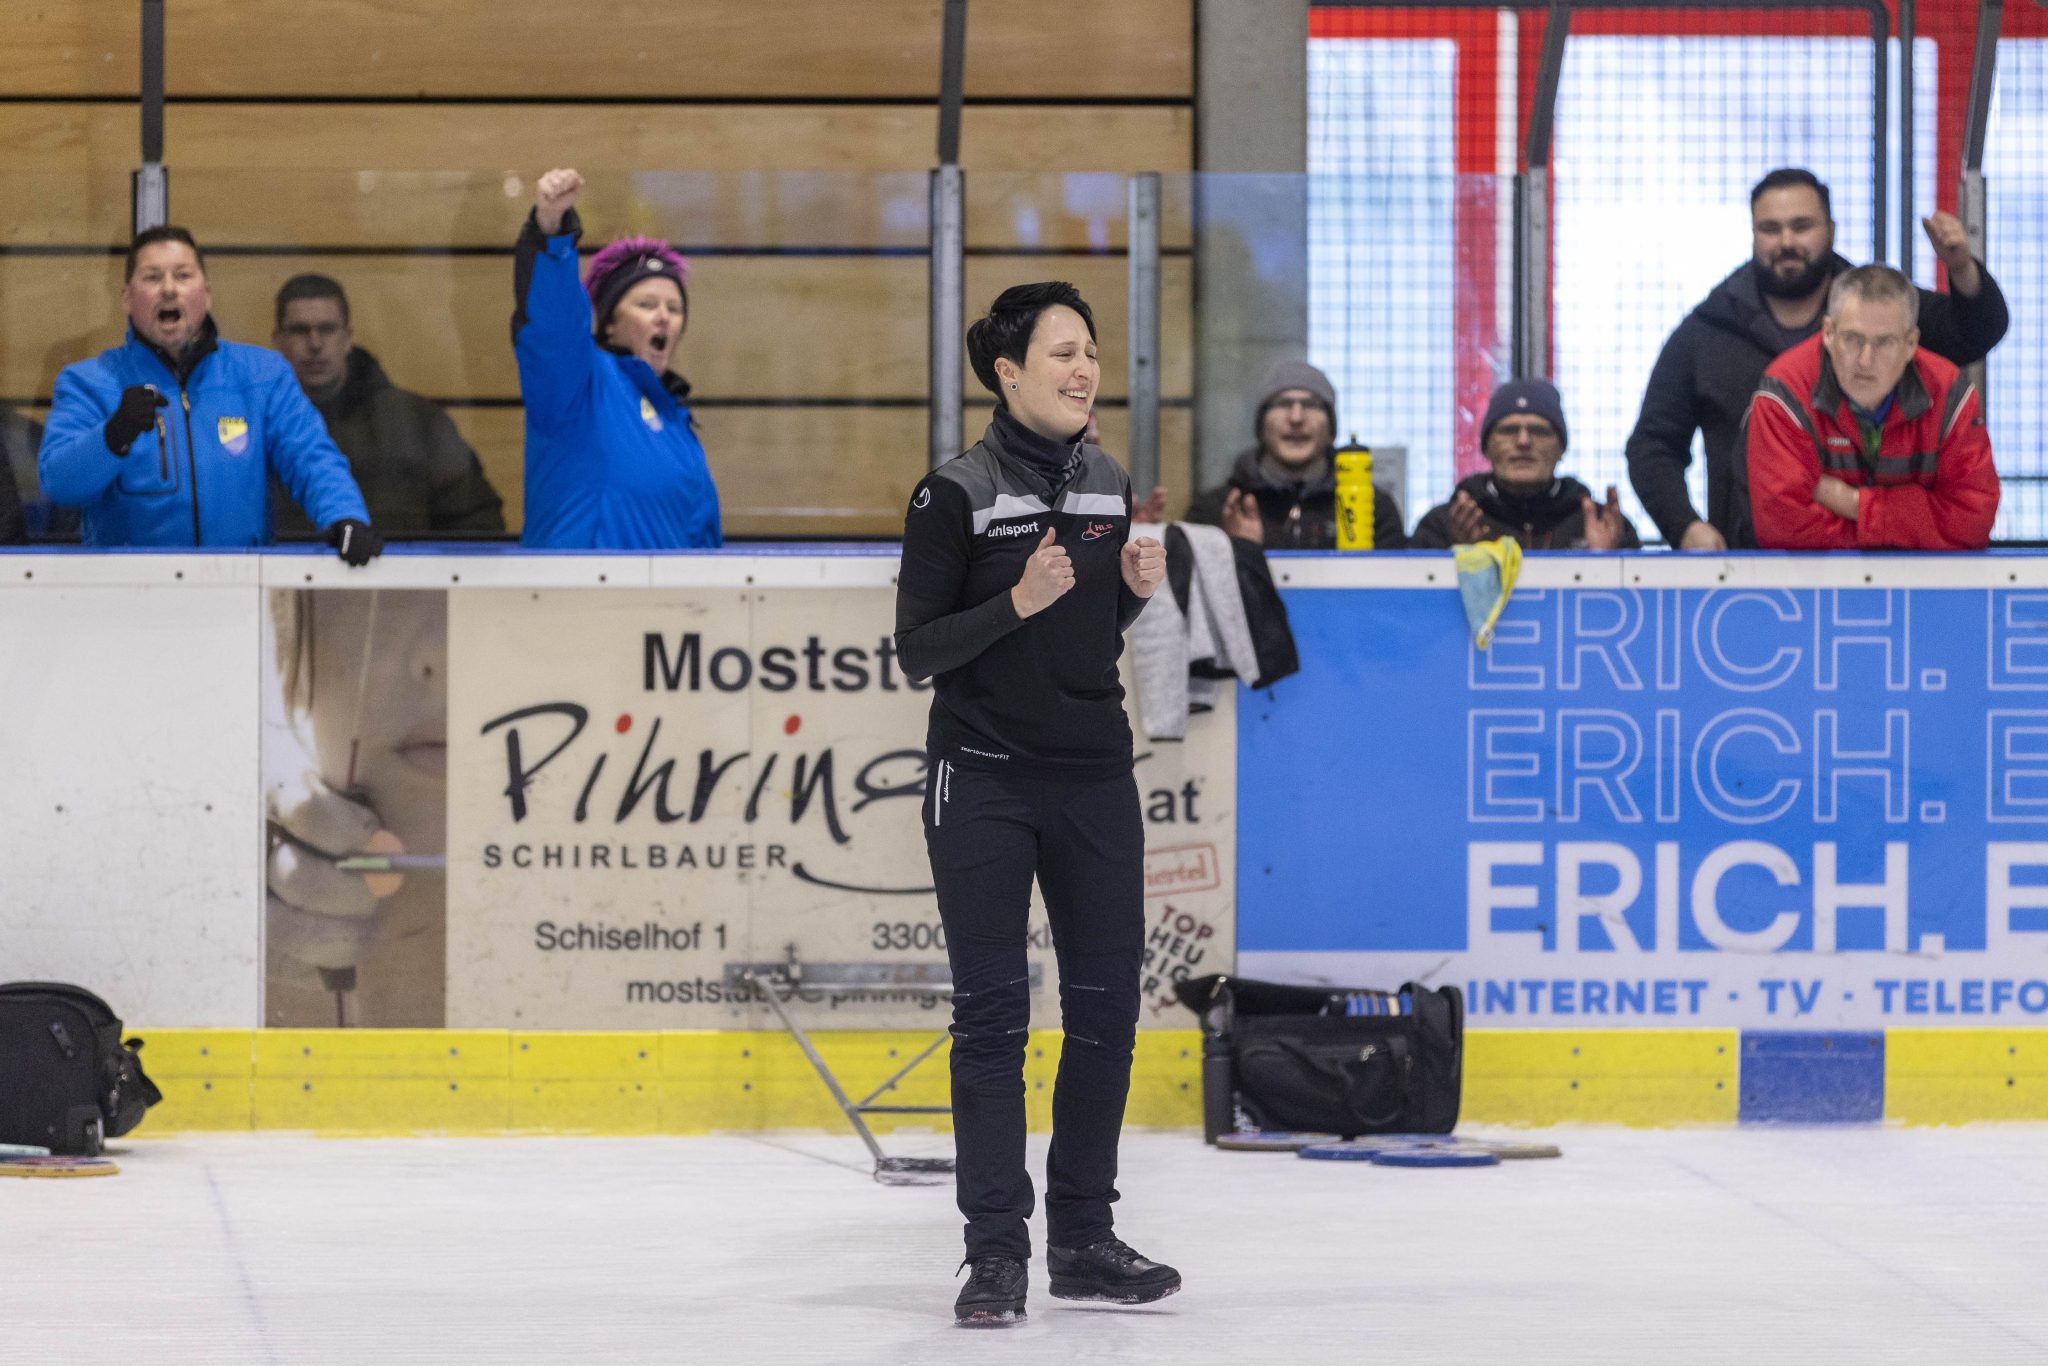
x=13, y=530
x=1712, y=363
x=416, y=472
x=1283, y=492
x=1524, y=437
x=25, y=515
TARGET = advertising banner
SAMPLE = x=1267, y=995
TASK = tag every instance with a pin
x=1790, y=807
x=651, y=790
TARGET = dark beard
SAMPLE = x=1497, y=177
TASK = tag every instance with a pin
x=1801, y=286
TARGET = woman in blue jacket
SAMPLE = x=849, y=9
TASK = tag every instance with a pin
x=612, y=456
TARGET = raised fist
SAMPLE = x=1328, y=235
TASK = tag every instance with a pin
x=1144, y=565
x=134, y=415
x=1047, y=576
x=554, y=196
x=1951, y=242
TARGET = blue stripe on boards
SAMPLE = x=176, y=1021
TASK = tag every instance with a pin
x=1800, y=1077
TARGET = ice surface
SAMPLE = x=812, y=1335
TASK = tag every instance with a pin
x=1755, y=1245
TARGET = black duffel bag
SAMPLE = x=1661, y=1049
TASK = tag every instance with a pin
x=1329, y=1060
x=68, y=1081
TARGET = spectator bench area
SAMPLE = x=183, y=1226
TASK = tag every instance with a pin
x=396, y=152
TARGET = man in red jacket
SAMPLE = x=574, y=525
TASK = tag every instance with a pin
x=1860, y=440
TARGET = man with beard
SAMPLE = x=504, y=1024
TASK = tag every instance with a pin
x=172, y=437
x=1712, y=363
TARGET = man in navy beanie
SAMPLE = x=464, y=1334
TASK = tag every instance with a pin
x=1522, y=495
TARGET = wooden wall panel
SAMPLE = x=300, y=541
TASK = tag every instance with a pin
x=711, y=137
x=436, y=96
x=760, y=327
x=415, y=175
x=54, y=311
x=809, y=471
x=684, y=48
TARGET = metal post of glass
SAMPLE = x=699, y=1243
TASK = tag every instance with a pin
x=948, y=292
x=150, y=185
x=1143, y=455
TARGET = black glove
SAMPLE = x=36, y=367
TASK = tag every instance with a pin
x=355, y=542
x=136, y=415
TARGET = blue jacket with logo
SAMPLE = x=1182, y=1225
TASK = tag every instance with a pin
x=202, y=477
x=612, y=456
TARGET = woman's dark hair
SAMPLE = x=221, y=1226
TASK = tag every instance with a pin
x=1011, y=320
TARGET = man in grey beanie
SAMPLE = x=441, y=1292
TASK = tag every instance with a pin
x=1282, y=493
x=1522, y=495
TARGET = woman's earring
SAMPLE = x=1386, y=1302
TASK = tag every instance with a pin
x=1013, y=384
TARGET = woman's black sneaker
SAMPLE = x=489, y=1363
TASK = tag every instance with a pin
x=994, y=1293
x=1108, y=1271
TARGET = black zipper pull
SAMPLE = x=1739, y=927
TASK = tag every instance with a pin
x=63, y=1038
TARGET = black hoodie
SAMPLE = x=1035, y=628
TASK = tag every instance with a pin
x=1710, y=368
x=416, y=472
x=1552, y=519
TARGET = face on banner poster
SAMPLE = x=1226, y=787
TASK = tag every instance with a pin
x=650, y=789
x=354, y=751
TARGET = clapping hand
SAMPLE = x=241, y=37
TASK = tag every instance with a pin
x=1153, y=509
x=1603, y=521
x=1241, y=516
x=1468, y=523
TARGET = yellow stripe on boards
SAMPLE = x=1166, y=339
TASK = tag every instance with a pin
x=692, y=1082
x=1643, y=1077
x=1955, y=1076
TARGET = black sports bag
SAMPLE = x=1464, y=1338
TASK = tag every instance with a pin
x=1328, y=1059
x=67, y=1080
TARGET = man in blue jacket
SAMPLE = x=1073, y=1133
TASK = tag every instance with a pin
x=170, y=439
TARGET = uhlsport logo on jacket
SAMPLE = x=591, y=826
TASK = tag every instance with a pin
x=234, y=435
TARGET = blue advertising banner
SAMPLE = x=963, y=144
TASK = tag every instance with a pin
x=1743, y=805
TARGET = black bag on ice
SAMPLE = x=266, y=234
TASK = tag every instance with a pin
x=1328, y=1059
x=68, y=1081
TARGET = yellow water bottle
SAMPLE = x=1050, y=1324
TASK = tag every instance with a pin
x=1354, y=497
